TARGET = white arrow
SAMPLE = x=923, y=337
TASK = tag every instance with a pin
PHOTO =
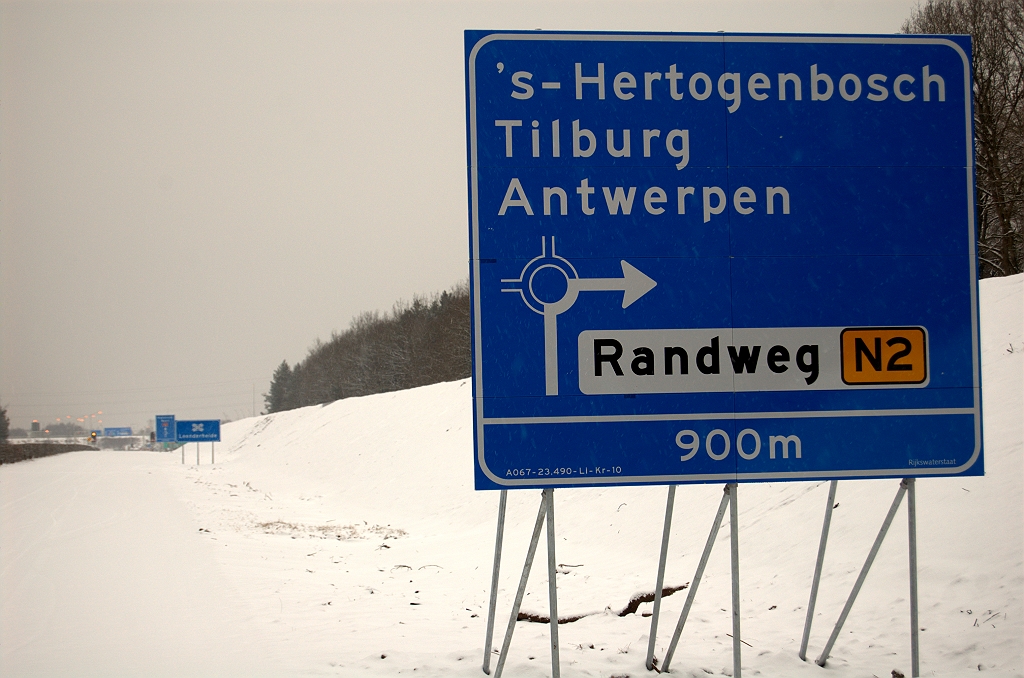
x=633, y=283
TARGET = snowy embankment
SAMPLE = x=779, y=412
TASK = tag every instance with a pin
x=347, y=540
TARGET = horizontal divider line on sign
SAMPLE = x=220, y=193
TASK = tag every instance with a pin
x=616, y=418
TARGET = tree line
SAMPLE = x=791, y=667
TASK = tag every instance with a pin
x=422, y=342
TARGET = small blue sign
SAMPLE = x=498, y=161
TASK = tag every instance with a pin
x=200, y=430
x=721, y=257
x=165, y=428
x=117, y=431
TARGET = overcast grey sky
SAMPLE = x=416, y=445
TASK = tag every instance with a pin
x=191, y=192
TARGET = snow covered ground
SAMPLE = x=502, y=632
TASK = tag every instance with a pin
x=347, y=540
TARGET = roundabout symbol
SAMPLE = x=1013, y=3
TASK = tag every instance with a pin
x=549, y=285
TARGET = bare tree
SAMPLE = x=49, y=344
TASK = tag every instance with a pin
x=996, y=28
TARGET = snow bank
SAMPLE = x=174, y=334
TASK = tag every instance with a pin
x=346, y=539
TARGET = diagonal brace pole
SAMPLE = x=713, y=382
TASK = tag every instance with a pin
x=817, y=568
x=522, y=586
x=696, y=579
x=820, y=661
x=498, y=538
x=669, y=505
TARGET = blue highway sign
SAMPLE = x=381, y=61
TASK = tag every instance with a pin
x=165, y=428
x=117, y=431
x=204, y=430
x=721, y=257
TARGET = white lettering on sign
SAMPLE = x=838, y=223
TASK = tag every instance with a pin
x=717, y=444
x=591, y=80
x=618, y=200
x=617, y=142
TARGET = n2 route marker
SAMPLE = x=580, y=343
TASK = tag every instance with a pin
x=720, y=258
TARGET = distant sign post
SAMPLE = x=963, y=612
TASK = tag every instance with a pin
x=721, y=258
x=198, y=431
x=165, y=429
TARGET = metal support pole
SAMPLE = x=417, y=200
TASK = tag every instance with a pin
x=734, y=538
x=820, y=661
x=696, y=580
x=197, y=454
x=494, y=580
x=182, y=453
x=552, y=585
x=817, y=568
x=915, y=663
x=503, y=655
x=669, y=504
x=212, y=459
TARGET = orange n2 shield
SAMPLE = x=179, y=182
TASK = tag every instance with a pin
x=884, y=355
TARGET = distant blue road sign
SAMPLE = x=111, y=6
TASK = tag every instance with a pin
x=117, y=431
x=205, y=430
x=165, y=428
x=711, y=258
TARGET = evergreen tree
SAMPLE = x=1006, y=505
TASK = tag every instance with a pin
x=277, y=399
x=5, y=425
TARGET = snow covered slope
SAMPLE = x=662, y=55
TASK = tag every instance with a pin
x=347, y=540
